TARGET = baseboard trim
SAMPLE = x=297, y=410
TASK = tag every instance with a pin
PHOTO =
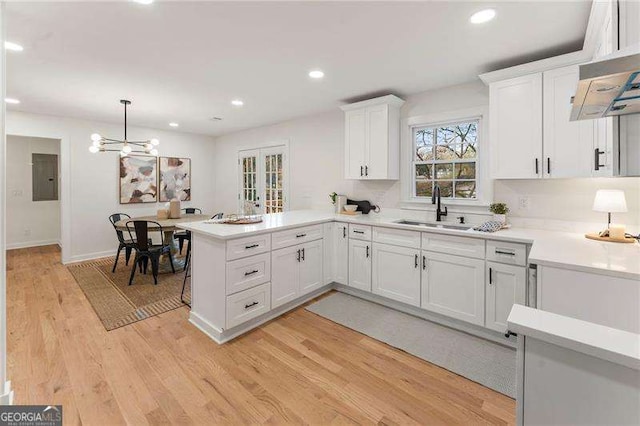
x=221, y=336
x=89, y=256
x=479, y=331
x=6, y=398
x=27, y=244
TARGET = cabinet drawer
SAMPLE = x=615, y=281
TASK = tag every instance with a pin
x=243, y=247
x=449, y=244
x=360, y=232
x=509, y=253
x=248, y=304
x=397, y=237
x=295, y=236
x=248, y=272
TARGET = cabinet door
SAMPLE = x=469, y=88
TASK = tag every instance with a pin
x=360, y=264
x=311, y=259
x=396, y=273
x=506, y=285
x=516, y=127
x=568, y=145
x=377, y=137
x=285, y=275
x=341, y=253
x=453, y=286
x=355, y=144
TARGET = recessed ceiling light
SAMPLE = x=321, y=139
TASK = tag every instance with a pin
x=143, y=1
x=11, y=101
x=237, y=102
x=13, y=46
x=173, y=124
x=482, y=16
x=316, y=74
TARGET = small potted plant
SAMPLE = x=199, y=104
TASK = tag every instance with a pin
x=499, y=211
x=334, y=197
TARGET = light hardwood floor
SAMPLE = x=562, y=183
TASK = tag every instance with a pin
x=299, y=368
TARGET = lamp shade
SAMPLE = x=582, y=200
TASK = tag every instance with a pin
x=610, y=201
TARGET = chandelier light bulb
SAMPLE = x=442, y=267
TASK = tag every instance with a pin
x=93, y=149
x=126, y=149
x=154, y=152
x=96, y=143
x=96, y=137
x=155, y=142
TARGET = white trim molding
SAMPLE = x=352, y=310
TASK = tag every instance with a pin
x=27, y=244
x=6, y=397
x=485, y=186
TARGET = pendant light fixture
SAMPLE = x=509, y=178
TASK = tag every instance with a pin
x=102, y=144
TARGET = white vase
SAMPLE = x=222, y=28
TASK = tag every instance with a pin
x=502, y=218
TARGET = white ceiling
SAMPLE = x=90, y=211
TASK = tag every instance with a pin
x=185, y=61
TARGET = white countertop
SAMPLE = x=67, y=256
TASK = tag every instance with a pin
x=550, y=248
x=618, y=346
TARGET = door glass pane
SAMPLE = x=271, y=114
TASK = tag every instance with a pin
x=249, y=190
x=273, y=183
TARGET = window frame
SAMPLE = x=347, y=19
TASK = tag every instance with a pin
x=484, y=189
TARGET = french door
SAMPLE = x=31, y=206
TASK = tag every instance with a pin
x=263, y=179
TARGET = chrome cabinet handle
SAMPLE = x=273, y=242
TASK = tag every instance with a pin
x=250, y=305
x=255, y=271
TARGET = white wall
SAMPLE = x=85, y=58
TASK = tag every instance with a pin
x=29, y=223
x=89, y=186
x=316, y=164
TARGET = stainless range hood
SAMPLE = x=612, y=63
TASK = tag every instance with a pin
x=608, y=88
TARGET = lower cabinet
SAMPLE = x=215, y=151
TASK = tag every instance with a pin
x=248, y=304
x=295, y=271
x=453, y=286
x=360, y=264
x=506, y=285
x=341, y=253
x=396, y=273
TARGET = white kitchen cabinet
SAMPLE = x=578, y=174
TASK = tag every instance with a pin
x=285, y=275
x=506, y=285
x=372, y=138
x=341, y=253
x=311, y=258
x=295, y=271
x=360, y=264
x=516, y=127
x=568, y=145
x=453, y=286
x=396, y=273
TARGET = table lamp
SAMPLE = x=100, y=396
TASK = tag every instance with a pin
x=611, y=201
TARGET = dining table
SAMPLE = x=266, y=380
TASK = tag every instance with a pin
x=169, y=227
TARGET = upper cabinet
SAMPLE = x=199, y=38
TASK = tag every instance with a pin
x=516, y=127
x=372, y=138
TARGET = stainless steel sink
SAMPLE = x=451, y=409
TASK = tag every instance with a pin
x=461, y=227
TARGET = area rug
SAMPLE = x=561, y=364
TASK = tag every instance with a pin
x=118, y=304
x=485, y=362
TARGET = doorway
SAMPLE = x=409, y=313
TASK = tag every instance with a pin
x=32, y=188
x=263, y=179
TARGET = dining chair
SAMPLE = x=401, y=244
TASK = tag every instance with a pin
x=183, y=236
x=145, y=250
x=123, y=243
x=187, y=258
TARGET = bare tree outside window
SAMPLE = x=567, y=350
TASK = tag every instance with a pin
x=446, y=155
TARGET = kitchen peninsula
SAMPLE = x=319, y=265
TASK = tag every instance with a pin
x=245, y=275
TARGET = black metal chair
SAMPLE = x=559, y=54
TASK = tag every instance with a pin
x=125, y=244
x=145, y=250
x=187, y=258
x=187, y=263
x=183, y=236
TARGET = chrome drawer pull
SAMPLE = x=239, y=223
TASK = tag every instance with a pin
x=252, y=246
x=255, y=271
x=508, y=253
x=250, y=305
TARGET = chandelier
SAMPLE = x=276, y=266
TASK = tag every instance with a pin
x=102, y=144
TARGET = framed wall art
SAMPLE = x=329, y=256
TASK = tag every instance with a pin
x=138, y=179
x=175, y=179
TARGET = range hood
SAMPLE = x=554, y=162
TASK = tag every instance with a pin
x=608, y=88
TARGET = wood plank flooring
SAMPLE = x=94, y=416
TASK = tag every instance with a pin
x=299, y=368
